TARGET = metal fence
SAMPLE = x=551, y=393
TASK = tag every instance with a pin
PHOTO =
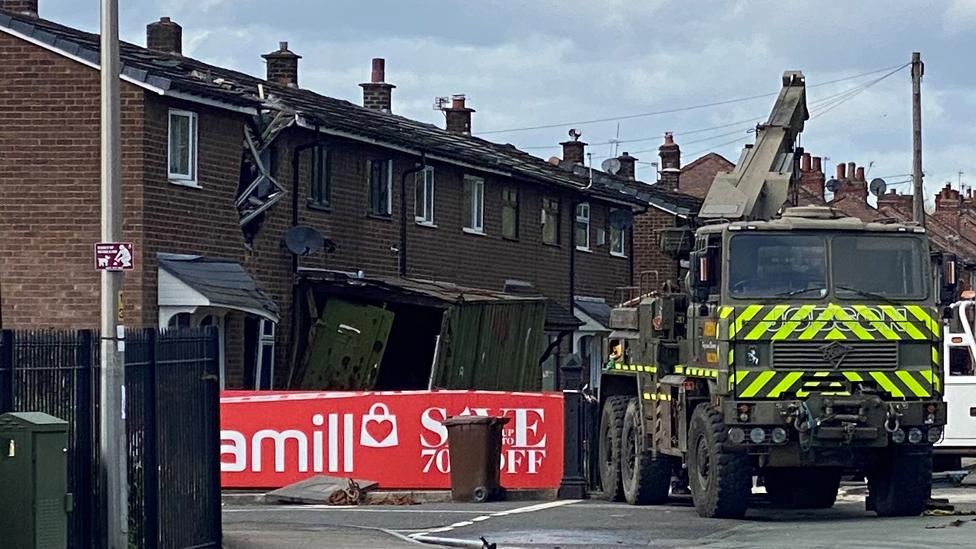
x=172, y=427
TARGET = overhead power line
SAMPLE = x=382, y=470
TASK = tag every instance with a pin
x=683, y=109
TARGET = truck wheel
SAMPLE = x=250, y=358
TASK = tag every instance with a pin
x=646, y=479
x=901, y=481
x=611, y=426
x=720, y=480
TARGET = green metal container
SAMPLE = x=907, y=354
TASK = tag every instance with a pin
x=34, y=498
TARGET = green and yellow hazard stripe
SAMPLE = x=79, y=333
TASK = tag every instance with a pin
x=657, y=396
x=692, y=371
x=634, y=368
x=774, y=384
x=829, y=322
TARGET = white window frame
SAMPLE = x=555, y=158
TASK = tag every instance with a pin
x=265, y=339
x=189, y=179
x=582, y=217
x=424, y=209
x=389, y=185
x=477, y=205
x=623, y=242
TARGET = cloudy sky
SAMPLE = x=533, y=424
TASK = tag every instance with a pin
x=528, y=63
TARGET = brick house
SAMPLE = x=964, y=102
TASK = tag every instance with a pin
x=219, y=165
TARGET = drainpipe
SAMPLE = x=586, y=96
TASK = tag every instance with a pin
x=402, y=255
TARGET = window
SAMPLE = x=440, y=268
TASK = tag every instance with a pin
x=379, y=176
x=264, y=361
x=778, y=265
x=179, y=320
x=321, y=192
x=510, y=213
x=550, y=221
x=183, y=146
x=424, y=188
x=474, y=204
x=583, y=226
x=618, y=240
x=891, y=266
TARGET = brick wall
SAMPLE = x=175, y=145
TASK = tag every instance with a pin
x=647, y=249
x=49, y=189
x=697, y=177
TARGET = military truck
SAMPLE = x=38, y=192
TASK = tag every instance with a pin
x=804, y=346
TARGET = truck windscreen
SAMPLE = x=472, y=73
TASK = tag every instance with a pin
x=775, y=265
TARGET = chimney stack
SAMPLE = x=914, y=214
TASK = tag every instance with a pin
x=23, y=7
x=627, y=166
x=841, y=172
x=574, y=150
x=165, y=36
x=670, y=155
x=811, y=176
x=851, y=183
x=458, y=116
x=377, y=94
x=283, y=66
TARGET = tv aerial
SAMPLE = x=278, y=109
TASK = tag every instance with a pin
x=441, y=103
x=878, y=186
x=304, y=241
x=575, y=134
x=611, y=166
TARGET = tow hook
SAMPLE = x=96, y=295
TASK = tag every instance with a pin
x=849, y=429
x=892, y=419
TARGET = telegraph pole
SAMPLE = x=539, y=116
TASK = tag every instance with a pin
x=918, y=202
x=113, y=453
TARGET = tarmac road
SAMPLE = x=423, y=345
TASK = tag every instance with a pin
x=597, y=524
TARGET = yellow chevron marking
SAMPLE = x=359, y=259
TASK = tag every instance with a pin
x=746, y=316
x=922, y=315
x=887, y=332
x=903, y=322
x=657, y=396
x=679, y=369
x=740, y=375
x=853, y=376
x=767, y=322
x=935, y=356
x=815, y=327
x=731, y=357
x=852, y=325
x=724, y=312
x=758, y=384
x=912, y=384
x=887, y=384
x=834, y=334
x=788, y=327
x=821, y=374
x=784, y=384
x=931, y=377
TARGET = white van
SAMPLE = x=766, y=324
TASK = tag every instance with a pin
x=959, y=363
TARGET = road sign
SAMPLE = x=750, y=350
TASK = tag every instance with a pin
x=114, y=256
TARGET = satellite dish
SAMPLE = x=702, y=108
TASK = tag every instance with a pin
x=621, y=220
x=611, y=166
x=878, y=186
x=303, y=240
x=832, y=185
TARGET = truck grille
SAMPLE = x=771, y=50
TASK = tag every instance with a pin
x=844, y=355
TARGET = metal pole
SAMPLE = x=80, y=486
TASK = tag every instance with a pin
x=112, y=447
x=918, y=202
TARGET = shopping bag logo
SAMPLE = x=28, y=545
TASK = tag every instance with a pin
x=379, y=428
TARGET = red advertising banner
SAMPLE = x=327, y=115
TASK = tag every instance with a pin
x=272, y=439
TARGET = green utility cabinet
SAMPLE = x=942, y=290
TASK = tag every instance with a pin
x=34, y=499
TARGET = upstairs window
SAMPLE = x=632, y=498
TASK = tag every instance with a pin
x=474, y=204
x=321, y=191
x=550, y=221
x=510, y=213
x=182, y=160
x=583, y=227
x=424, y=189
x=379, y=176
x=618, y=241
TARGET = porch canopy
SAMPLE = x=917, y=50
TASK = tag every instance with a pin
x=187, y=282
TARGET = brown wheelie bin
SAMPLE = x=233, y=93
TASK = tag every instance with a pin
x=475, y=444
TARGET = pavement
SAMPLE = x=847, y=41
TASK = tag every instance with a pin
x=566, y=524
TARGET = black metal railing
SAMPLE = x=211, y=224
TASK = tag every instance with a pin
x=172, y=427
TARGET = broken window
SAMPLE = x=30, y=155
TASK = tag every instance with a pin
x=424, y=194
x=258, y=190
x=321, y=191
x=550, y=221
x=474, y=204
x=182, y=147
x=510, y=213
x=379, y=177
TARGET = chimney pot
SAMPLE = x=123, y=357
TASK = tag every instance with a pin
x=283, y=66
x=860, y=174
x=377, y=94
x=627, y=166
x=805, y=162
x=841, y=171
x=23, y=7
x=165, y=36
x=670, y=154
x=817, y=166
x=851, y=170
x=457, y=101
x=458, y=116
x=378, y=74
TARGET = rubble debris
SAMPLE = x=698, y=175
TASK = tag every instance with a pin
x=321, y=490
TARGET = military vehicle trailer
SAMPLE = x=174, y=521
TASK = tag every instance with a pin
x=804, y=346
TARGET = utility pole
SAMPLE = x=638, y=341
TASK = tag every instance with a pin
x=918, y=202
x=112, y=450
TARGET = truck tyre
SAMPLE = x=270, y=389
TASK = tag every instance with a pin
x=901, y=481
x=611, y=427
x=646, y=479
x=720, y=480
x=803, y=487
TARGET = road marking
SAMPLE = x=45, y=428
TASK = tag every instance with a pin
x=421, y=536
x=352, y=508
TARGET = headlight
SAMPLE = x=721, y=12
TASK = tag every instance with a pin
x=757, y=435
x=779, y=435
x=898, y=436
x=914, y=435
x=935, y=433
x=737, y=435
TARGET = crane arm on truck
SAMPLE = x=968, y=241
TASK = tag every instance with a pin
x=762, y=180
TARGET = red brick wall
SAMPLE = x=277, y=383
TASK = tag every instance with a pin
x=647, y=249
x=697, y=177
x=49, y=189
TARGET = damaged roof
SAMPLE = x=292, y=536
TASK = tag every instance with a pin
x=223, y=283
x=188, y=79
